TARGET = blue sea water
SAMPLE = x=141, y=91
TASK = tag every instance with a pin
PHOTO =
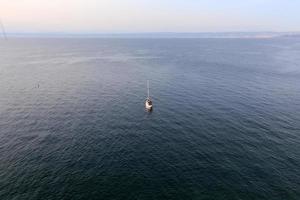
x=225, y=123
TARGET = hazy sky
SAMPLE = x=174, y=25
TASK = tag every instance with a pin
x=149, y=15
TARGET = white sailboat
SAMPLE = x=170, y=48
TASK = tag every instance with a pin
x=148, y=102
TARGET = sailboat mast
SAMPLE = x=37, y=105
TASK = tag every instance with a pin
x=3, y=29
x=148, y=89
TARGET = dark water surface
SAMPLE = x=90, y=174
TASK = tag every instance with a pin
x=225, y=124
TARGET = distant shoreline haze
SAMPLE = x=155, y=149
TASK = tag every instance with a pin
x=159, y=35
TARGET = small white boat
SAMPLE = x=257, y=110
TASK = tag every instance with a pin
x=148, y=102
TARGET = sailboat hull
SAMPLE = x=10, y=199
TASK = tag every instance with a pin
x=148, y=106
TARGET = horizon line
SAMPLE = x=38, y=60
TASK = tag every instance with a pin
x=145, y=32
x=225, y=34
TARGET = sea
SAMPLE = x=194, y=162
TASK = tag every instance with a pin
x=225, y=123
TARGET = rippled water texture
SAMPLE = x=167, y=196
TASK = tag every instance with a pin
x=225, y=123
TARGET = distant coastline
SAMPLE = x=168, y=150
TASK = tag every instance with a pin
x=159, y=35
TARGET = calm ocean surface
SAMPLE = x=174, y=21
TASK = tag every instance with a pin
x=225, y=124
